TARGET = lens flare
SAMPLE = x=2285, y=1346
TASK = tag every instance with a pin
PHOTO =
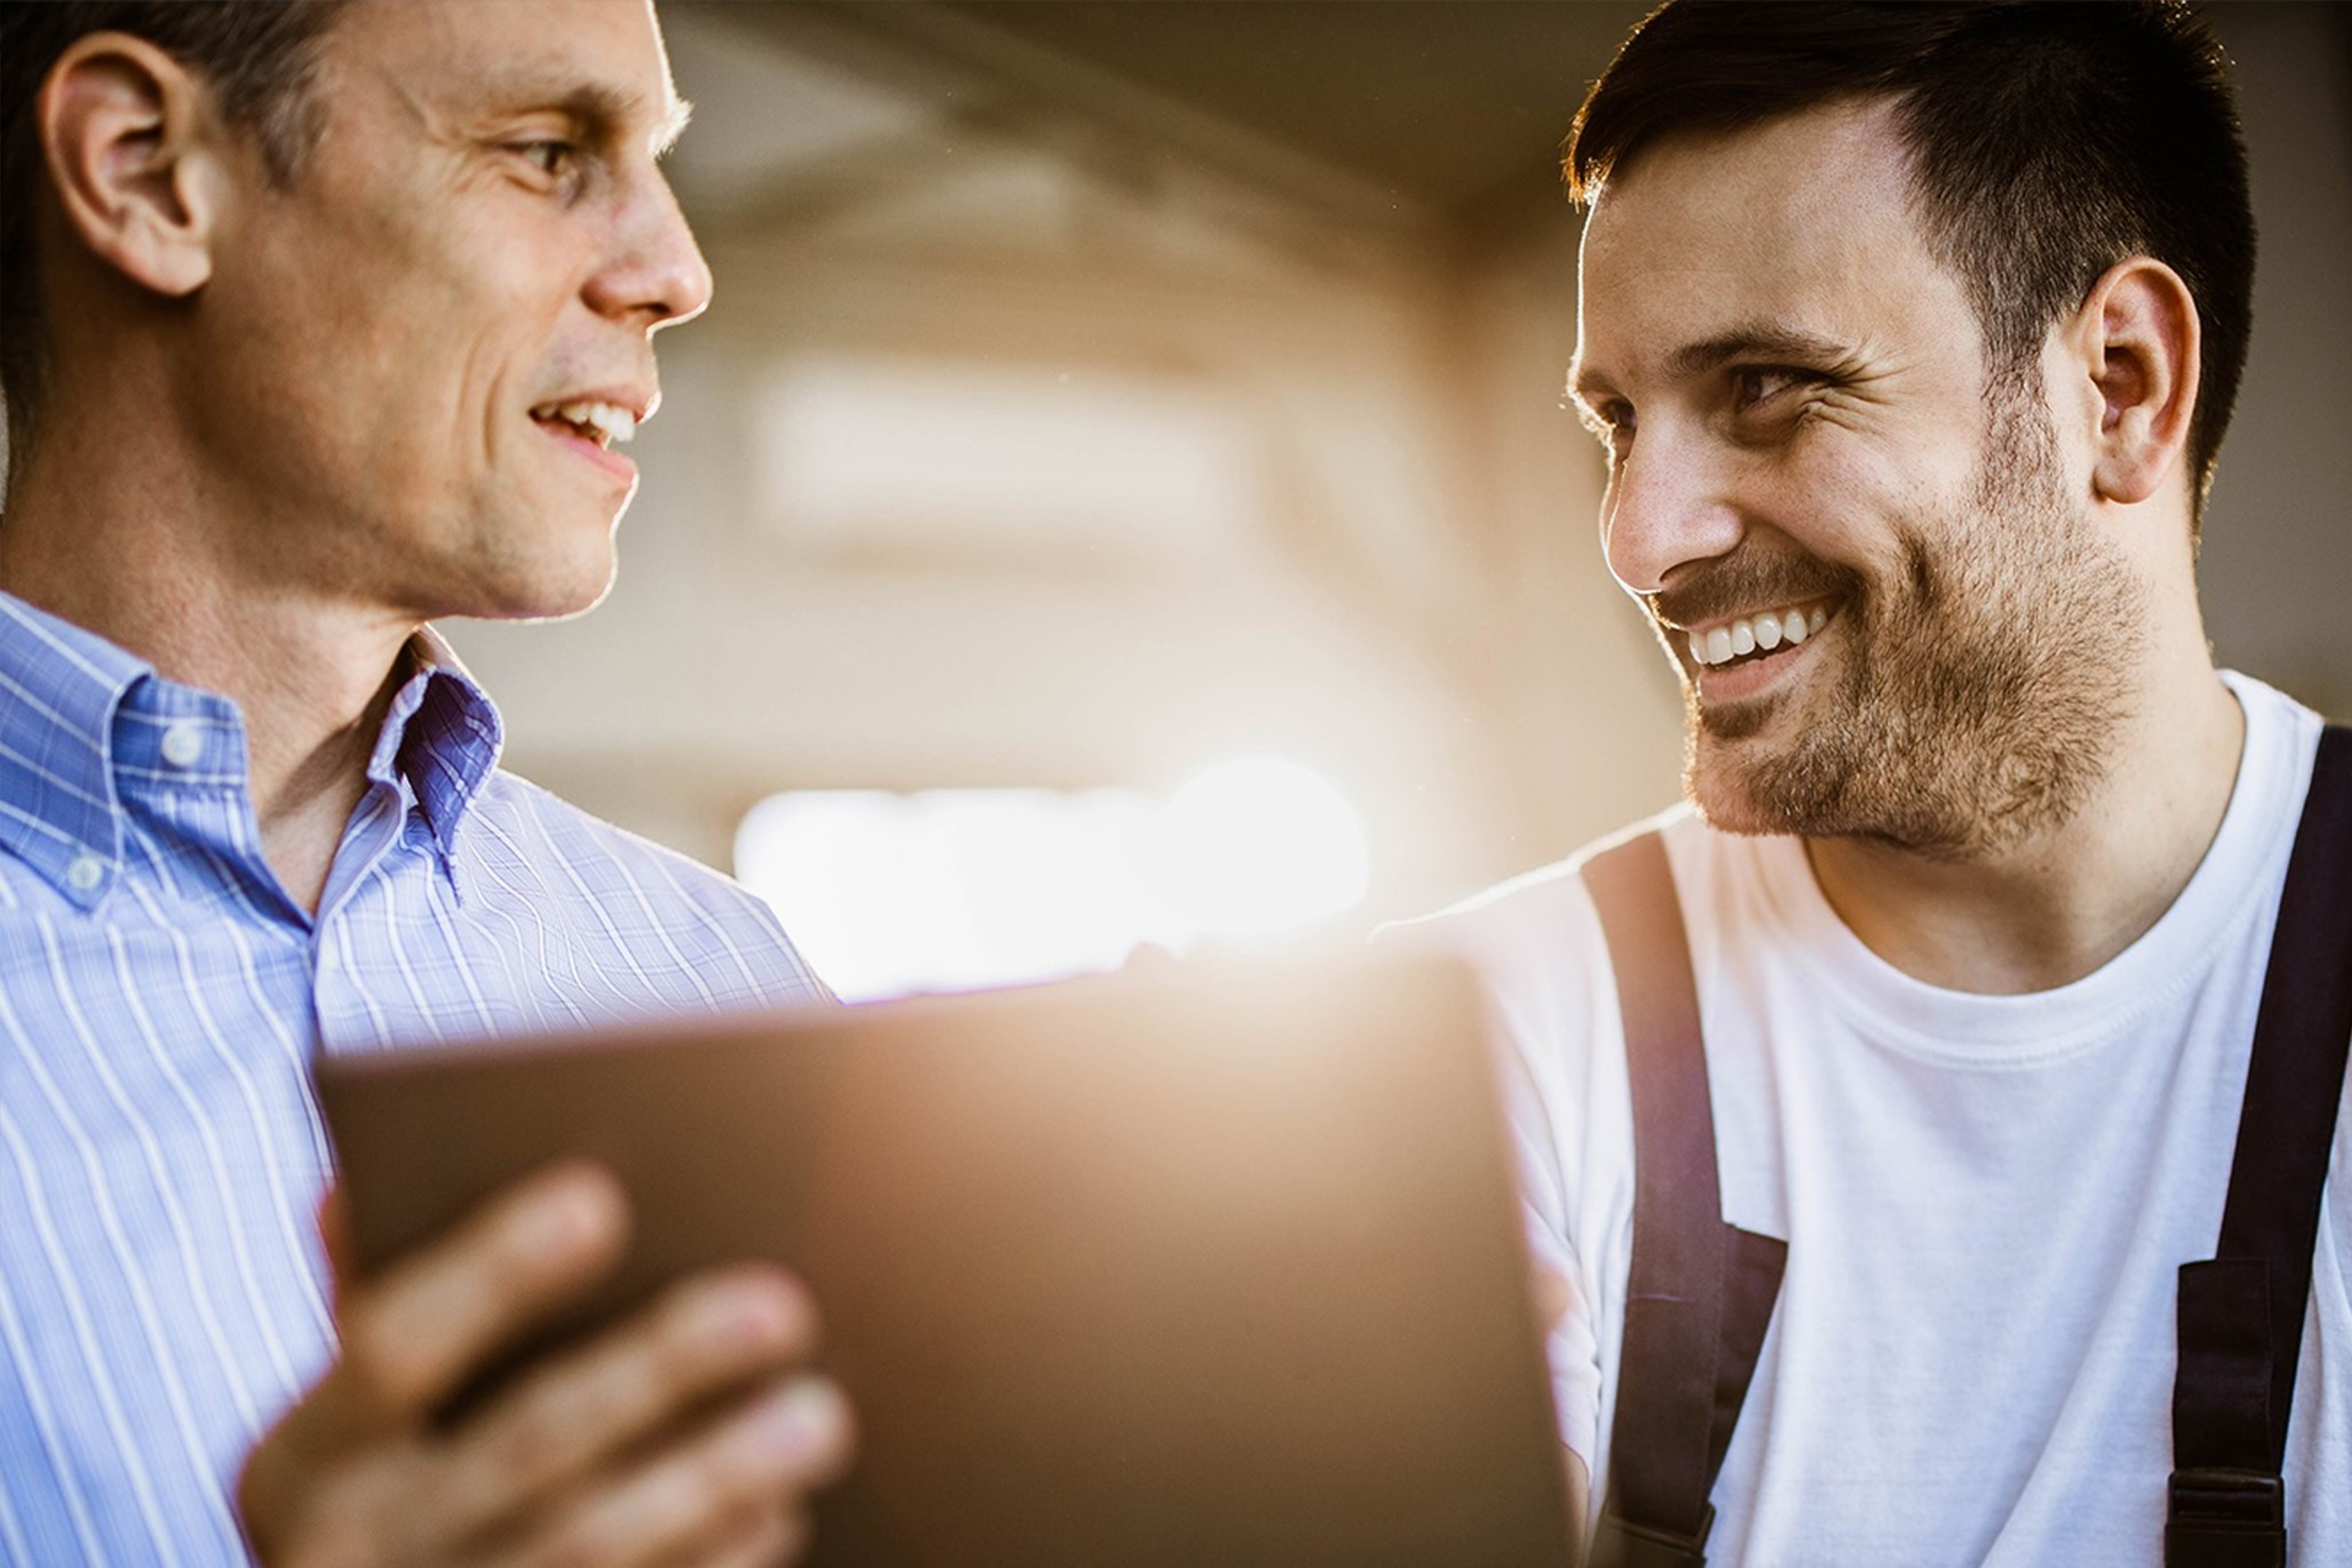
x=1259, y=846
x=952, y=889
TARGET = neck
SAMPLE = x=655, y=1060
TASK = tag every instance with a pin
x=129, y=552
x=2062, y=902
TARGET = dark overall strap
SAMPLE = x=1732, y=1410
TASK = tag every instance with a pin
x=2240, y=1313
x=1702, y=1291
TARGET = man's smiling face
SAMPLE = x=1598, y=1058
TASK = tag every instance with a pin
x=422, y=351
x=1862, y=545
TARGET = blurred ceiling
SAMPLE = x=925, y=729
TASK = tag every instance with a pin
x=1448, y=111
x=1454, y=102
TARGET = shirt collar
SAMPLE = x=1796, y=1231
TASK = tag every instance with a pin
x=59, y=689
x=442, y=735
x=78, y=716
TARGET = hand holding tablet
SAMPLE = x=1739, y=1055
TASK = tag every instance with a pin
x=689, y=1433
x=1199, y=1267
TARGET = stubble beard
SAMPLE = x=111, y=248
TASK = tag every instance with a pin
x=1971, y=708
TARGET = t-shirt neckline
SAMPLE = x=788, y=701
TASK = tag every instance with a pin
x=2236, y=880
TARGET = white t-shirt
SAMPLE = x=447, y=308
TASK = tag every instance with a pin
x=1986, y=1199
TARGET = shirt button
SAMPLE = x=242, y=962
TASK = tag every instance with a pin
x=183, y=743
x=85, y=872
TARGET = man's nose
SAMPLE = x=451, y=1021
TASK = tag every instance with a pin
x=655, y=275
x=1669, y=504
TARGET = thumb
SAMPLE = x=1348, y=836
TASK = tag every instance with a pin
x=1555, y=1297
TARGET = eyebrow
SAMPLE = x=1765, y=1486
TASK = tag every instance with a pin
x=603, y=110
x=671, y=126
x=1577, y=382
x=1759, y=341
x=1756, y=341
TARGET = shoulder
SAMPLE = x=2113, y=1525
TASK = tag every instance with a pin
x=2276, y=764
x=1536, y=942
x=1542, y=925
x=526, y=841
x=2282, y=737
x=522, y=821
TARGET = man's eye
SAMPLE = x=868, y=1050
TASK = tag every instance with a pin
x=1611, y=424
x=552, y=157
x=1752, y=385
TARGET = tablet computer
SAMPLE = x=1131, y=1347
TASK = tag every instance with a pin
x=1217, y=1266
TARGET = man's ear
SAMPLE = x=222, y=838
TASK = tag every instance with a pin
x=134, y=151
x=2137, y=337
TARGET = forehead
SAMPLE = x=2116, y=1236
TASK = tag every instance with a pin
x=456, y=56
x=1803, y=224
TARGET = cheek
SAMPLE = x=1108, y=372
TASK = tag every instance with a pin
x=1851, y=499
x=283, y=387
x=1821, y=494
x=434, y=388
x=329, y=329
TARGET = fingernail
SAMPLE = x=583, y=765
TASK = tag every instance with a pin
x=577, y=1208
x=806, y=1416
x=741, y=1312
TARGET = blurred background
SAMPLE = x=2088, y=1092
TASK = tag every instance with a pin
x=1121, y=493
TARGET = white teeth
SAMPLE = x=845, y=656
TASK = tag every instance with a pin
x=1766, y=631
x=609, y=420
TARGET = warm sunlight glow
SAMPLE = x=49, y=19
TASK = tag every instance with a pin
x=1260, y=846
x=951, y=889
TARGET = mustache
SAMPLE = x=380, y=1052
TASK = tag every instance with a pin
x=1746, y=582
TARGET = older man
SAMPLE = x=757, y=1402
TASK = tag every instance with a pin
x=326, y=319
x=1912, y=333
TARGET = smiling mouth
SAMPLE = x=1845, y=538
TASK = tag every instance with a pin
x=1746, y=638
x=604, y=424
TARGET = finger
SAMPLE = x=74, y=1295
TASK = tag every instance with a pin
x=1555, y=1297
x=335, y=1235
x=792, y=1438
x=411, y=1337
x=767, y=1537
x=711, y=1333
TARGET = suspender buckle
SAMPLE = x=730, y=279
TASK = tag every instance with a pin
x=2226, y=1518
x=2229, y=1499
x=1618, y=1544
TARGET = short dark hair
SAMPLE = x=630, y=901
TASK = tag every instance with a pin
x=2047, y=142
x=259, y=56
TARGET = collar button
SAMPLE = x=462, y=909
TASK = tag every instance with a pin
x=85, y=872
x=183, y=743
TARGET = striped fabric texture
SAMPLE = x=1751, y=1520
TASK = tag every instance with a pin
x=161, y=1291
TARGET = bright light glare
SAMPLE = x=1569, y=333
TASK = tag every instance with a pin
x=887, y=895
x=1259, y=846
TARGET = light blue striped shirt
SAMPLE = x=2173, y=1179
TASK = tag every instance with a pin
x=162, y=1290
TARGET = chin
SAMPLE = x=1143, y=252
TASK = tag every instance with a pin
x=1724, y=798
x=542, y=590
x=1770, y=778
x=1728, y=756
x=554, y=604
